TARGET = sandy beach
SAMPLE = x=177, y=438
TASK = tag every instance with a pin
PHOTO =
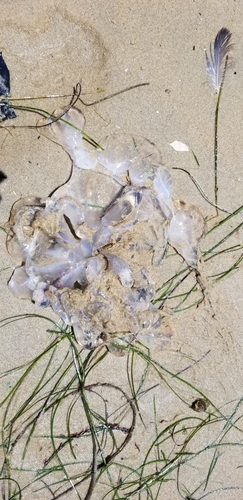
x=106, y=47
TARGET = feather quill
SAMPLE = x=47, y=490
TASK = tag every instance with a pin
x=216, y=63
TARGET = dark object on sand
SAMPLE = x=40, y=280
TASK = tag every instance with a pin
x=6, y=111
x=199, y=405
x=5, y=106
x=4, y=77
x=2, y=178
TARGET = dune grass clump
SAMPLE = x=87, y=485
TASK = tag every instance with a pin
x=82, y=428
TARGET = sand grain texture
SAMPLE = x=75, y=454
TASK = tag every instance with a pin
x=51, y=46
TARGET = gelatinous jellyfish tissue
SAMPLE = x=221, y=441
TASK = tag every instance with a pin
x=93, y=250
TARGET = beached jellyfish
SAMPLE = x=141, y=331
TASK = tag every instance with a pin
x=93, y=250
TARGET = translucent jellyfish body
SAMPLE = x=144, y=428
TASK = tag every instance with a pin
x=93, y=250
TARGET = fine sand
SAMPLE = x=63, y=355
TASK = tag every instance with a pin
x=107, y=46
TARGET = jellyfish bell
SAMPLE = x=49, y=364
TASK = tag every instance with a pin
x=94, y=248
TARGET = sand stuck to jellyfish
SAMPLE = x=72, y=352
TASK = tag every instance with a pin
x=93, y=250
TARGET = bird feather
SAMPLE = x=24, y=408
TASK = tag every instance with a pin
x=216, y=63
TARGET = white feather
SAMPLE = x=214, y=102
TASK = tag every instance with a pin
x=216, y=61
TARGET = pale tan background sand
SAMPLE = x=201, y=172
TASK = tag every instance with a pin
x=49, y=46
